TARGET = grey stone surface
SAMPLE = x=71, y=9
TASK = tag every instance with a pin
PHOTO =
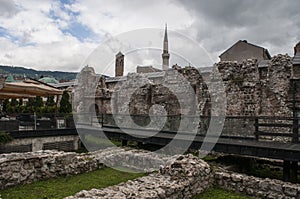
x=23, y=168
x=182, y=177
x=256, y=187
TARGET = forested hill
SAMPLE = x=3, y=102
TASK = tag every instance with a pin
x=17, y=71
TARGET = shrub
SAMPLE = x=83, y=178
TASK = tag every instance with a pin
x=5, y=137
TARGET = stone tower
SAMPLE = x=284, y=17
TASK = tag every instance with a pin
x=119, y=69
x=165, y=55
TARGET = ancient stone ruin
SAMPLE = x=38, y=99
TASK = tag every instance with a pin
x=252, y=88
x=179, y=176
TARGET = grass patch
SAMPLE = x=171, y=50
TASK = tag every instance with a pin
x=264, y=171
x=219, y=193
x=98, y=142
x=209, y=158
x=66, y=186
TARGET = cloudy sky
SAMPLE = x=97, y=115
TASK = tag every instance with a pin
x=59, y=35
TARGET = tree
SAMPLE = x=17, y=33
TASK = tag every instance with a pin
x=50, y=105
x=20, y=108
x=29, y=106
x=65, y=105
x=13, y=106
x=38, y=104
x=5, y=105
x=50, y=101
x=20, y=102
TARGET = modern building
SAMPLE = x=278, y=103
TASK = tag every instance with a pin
x=243, y=50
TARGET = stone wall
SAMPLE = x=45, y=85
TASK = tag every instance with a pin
x=23, y=168
x=180, y=176
x=183, y=178
x=252, y=88
x=257, y=187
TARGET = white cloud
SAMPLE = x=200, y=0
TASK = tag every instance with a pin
x=35, y=39
x=114, y=17
x=50, y=35
x=35, y=35
x=273, y=24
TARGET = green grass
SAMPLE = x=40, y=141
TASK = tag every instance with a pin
x=218, y=193
x=98, y=142
x=66, y=186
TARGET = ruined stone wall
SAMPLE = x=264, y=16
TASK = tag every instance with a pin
x=178, y=91
x=240, y=81
x=250, y=89
x=274, y=88
x=253, y=90
x=23, y=168
x=186, y=176
x=256, y=187
x=172, y=91
x=181, y=178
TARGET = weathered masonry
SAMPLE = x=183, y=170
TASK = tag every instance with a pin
x=181, y=176
x=252, y=89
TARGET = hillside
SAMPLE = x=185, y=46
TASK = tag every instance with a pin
x=17, y=71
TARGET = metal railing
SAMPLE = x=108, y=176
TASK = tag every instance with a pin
x=36, y=121
x=277, y=127
x=244, y=127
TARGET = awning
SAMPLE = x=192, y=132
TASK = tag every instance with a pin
x=27, y=89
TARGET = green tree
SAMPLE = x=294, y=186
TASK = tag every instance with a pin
x=14, y=102
x=5, y=105
x=29, y=106
x=20, y=108
x=20, y=102
x=65, y=105
x=38, y=104
x=13, y=105
x=50, y=105
x=50, y=101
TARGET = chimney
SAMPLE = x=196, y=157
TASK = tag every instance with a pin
x=297, y=48
x=119, y=69
x=296, y=62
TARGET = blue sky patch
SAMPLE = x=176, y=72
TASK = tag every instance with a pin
x=5, y=33
x=79, y=31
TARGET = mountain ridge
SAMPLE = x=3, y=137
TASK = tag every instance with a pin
x=20, y=71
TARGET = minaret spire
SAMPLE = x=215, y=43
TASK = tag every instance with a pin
x=165, y=55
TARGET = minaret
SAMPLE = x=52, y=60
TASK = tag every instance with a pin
x=119, y=69
x=165, y=55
